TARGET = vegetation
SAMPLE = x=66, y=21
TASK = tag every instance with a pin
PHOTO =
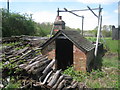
x=112, y=45
x=106, y=31
x=109, y=44
x=13, y=84
x=15, y=24
x=108, y=76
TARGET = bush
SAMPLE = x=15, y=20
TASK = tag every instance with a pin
x=14, y=24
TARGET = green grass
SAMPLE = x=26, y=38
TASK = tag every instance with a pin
x=110, y=62
x=112, y=45
x=107, y=78
x=13, y=85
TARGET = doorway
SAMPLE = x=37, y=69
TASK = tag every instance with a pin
x=64, y=53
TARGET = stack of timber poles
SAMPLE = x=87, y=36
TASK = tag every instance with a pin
x=37, y=71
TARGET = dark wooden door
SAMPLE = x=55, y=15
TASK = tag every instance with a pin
x=64, y=53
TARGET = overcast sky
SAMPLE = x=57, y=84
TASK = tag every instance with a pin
x=46, y=11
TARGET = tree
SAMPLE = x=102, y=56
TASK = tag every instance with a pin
x=95, y=31
x=43, y=29
x=16, y=24
x=107, y=30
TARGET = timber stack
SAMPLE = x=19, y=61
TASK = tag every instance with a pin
x=35, y=70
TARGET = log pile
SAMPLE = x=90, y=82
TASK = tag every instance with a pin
x=37, y=71
x=48, y=77
x=32, y=39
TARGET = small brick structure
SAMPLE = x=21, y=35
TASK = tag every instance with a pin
x=70, y=48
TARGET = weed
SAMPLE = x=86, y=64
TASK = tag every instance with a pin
x=110, y=62
x=11, y=44
x=96, y=78
x=97, y=74
x=12, y=85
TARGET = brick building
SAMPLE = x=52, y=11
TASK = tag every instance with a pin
x=70, y=48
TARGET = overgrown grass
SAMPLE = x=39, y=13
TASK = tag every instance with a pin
x=12, y=84
x=110, y=62
x=107, y=78
x=112, y=45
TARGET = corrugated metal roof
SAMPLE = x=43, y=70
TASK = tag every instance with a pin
x=75, y=37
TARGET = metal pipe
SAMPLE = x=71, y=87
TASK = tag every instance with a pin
x=82, y=24
x=98, y=33
x=80, y=10
x=85, y=9
x=52, y=29
x=92, y=11
x=72, y=12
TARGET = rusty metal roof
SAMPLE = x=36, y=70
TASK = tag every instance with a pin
x=75, y=37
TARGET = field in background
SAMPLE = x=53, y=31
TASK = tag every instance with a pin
x=111, y=45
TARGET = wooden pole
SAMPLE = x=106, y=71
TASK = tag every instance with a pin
x=58, y=12
x=8, y=5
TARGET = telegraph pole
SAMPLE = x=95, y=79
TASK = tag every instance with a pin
x=8, y=5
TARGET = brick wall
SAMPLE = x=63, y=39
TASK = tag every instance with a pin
x=79, y=59
x=51, y=54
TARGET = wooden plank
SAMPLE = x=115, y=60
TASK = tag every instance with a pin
x=49, y=66
x=58, y=81
x=45, y=80
x=61, y=85
x=54, y=79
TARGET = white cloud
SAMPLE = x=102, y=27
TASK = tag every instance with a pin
x=82, y=1
x=90, y=21
x=108, y=20
x=43, y=16
x=7, y=0
x=1, y=0
x=116, y=11
x=97, y=1
x=37, y=0
x=104, y=12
